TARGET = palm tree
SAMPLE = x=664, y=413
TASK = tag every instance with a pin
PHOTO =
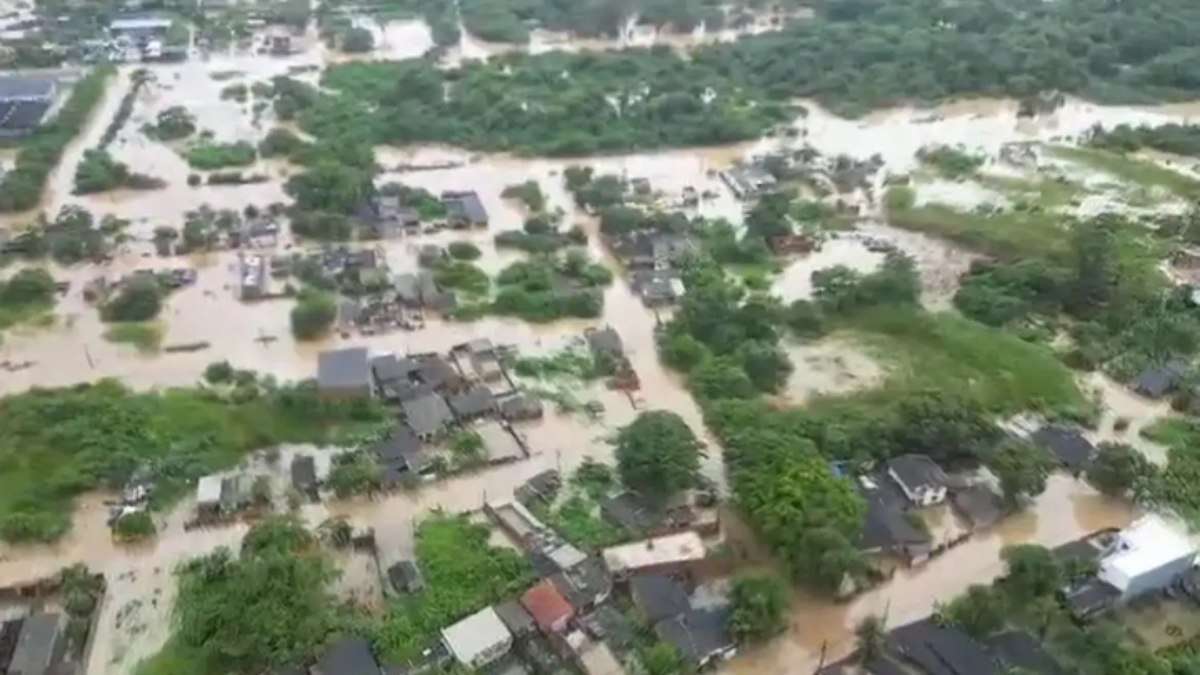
x=871, y=634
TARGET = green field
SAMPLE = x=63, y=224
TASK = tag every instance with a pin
x=947, y=353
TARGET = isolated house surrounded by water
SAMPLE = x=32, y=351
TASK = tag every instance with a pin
x=464, y=209
x=344, y=373
x=1148, y=555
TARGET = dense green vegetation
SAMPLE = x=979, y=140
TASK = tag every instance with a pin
x=854, y=56
x=209, y=156
x=463, y=574
x=279, y=142
x=21, y=187
x=657, y=454
x=146, y=337
x=952, y=163
x=272, y=605
x=172, y=124
x=313, y=314
x=760, y=605
x=330, y=186
x=549, y=288
x=25, y=295
x=139, y=299
x=98, y=171
x=1143, y=173
x=535, y=109
x=1179, y=139
x=529, y=193
x=58, y=443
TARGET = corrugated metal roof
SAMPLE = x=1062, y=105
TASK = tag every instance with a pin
x=475, y=635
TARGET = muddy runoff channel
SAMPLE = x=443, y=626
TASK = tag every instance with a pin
x=256, y=336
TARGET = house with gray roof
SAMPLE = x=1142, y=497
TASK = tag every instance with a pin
x=464, y=209
x=658, y=597
x=348, y=656
x=701, y=636
x=427, y=415
x=473, y=403
x=39, y=645
x=344, y=373
x=921, y=479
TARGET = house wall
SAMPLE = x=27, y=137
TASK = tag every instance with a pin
x=921, y=495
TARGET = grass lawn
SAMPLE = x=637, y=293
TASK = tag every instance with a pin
x=948, y=353
x=145, y=337
x=1011, y=234
x=463, y=574
x=1140, y=172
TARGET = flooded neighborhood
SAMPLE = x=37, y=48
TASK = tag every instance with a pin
x=907, y=391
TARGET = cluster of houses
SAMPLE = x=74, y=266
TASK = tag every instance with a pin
x=654, y=259
x=389, y=216
x=434, y=394
x=897, y=492
x=583, y=613
x=1148, y=558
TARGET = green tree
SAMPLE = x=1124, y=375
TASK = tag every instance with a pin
x=270, y=606
x=769, y=216
x=30, y=286
x=134, y=526
x=765, y=364
x=138, y=300
x=806, y=319
x=330, y=186
x=721, y=377
x=760, y=605
x=1022, y=470
x=1119, y=468
x=657, y=454
x=357, y=41
x=313, y=314
x=1095, y=264
x=980, y=611
x=467, y=448
x=871, y=635
x=1033, y=571
x=661, y=659
x=463, y=250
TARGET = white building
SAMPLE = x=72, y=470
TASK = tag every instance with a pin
x=1147, y=556
x=478, y=639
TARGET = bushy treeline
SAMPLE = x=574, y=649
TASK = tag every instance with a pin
x=855, y=55
x=1180, y=139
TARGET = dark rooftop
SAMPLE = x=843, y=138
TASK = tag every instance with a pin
x=887, y=526
x=465, y=206
x=941, y=650
x=304, y=473
x=344, y=369
x=405, y=577
x=475, y=401
x=399, y=447
x=22, y=115
x=348, y=656
x=659, y=597
x=18, y=87
x=979, y=505
x=605, y=341
x=515, y=618
x=426, y=415
x=37, y=644
x=917, y=470
x=1067, y=445
x=1018, y=649
x=1157, y=381
x=628, y=511
x=697, y=634
x=391, y=368
x=1090, y=598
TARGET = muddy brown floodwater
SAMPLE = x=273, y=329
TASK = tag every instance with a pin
x=133, y=621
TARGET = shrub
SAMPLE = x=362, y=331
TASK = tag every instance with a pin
x=138, y=300
x=313, y=314
x=463, y=250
